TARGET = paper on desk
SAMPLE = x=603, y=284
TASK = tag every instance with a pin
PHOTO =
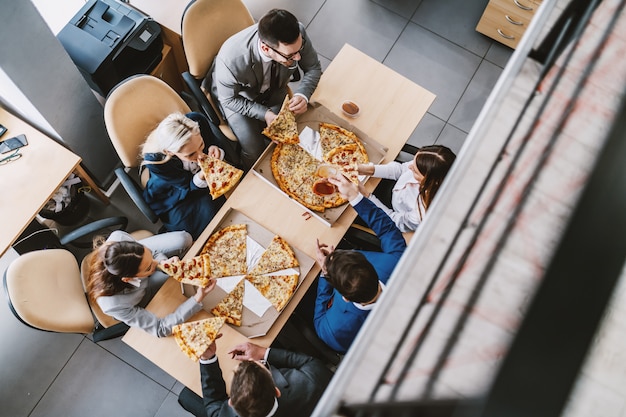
x=252, y=298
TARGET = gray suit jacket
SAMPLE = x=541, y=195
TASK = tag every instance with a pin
x=237, y=75
x=300, y=378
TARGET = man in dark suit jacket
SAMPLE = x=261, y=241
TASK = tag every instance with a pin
x=242, y=83
x=268, y=382
x=352, y=281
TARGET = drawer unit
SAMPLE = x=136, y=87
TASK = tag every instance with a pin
x=507, y=20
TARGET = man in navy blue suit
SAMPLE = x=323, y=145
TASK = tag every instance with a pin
x=352, y=281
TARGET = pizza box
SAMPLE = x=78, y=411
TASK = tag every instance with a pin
x=315, y=114
x=251, y=324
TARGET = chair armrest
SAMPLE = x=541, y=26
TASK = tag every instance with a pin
x=119, y=223
x=362, y=238
x=198, y=95
x=134, y=192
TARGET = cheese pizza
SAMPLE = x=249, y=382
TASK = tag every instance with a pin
x=227, y=251
x=283, y=128
x=195, y=337
x=278, y=289
x=231, y=307
x=277, y=256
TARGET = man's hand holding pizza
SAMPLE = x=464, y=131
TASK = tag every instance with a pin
x=210, y=352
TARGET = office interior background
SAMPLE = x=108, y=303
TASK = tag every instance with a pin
x=433, y=43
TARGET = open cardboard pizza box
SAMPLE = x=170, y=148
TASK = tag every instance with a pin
x=252, y=325
x=315, y=114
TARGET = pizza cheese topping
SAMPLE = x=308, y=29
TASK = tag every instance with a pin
x=219, y=175
x=195, y=337
x=283, y=128
x=231, y=307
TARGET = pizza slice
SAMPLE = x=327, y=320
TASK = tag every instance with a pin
x=283, y=128
x=195, y=337
x=195, y=271
x=276, y=257
x=227, y=251
x=333, y=136
x=348, y=158
x=220, y=175
x=231, y=307
x=278, y=289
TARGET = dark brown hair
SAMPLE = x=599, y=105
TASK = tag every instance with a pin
x=278, y=25
x=433, y=162
x=350, y=273
x=111, y=262
x=252, y=390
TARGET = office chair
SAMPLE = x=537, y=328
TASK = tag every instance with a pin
x=132, y=110
x=206, y=24
x=46, y=289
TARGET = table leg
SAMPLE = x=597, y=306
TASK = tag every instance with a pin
x=87, y=179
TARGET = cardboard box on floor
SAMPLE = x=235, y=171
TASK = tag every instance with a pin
x=251, y=324
x=315, y=114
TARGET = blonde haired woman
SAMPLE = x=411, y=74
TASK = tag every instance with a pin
x=177, y=190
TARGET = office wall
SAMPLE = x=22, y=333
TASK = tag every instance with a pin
x=39, y=67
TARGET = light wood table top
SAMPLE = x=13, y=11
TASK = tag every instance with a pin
x=389, y=114
x=28, y=182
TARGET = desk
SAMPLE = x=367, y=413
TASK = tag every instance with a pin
x=389, y=114
x=29, y=182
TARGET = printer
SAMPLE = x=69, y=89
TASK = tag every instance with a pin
x=109, y=41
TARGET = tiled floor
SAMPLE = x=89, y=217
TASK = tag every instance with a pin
x=431, y=42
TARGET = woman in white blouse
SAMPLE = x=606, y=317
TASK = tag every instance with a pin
x=417, y=182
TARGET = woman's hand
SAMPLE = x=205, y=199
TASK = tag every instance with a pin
x=366, y=169
x=214, y=152
x=203, y=292
x=347, y=189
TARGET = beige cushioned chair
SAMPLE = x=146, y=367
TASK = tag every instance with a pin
x=206, y=24
x=46, y=289
x=132, y=110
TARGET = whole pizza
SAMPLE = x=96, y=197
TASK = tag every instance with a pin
x=294, y=169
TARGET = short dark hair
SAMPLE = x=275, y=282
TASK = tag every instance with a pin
x=252, y=390
x=277, y=26
x=350, y=273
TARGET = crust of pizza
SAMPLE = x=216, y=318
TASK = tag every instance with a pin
x=231, y=307
x=277, y=256
x=283, y=128
x=195, y=271
x=227, y=251
x=195, y=337
x=278, y=289
x=220, y=176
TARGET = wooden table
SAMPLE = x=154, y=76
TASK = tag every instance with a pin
x=27, y=183
x=390, y=111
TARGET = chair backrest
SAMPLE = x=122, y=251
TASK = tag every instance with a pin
x=133, y=109
x=45, y=292
x=206, y=25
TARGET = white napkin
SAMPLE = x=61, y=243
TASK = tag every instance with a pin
x=310, y=142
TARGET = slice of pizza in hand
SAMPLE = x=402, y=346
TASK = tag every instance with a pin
x=195, y=337
x=195, y=271
x=283, y=128
x=278, y=289
x=220, y=175
x=277, y=256
x=231, y=307
x=227, y=251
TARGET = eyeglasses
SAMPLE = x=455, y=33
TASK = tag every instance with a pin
x=290, y=56
x=12, y=157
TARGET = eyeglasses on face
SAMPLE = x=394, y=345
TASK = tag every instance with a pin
x=290, y=56
x=10, y=158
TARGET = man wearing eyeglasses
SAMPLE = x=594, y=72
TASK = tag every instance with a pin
x=250, y=75
x=267, y=382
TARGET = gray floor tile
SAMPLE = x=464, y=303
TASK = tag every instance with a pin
x=363, y=24
x=171, y=408
x=454, y=20
x=452, y=137
x=138, y=361
x=95, y=383
x=404, y=8
x=434, y=63
x=474, y=97
x=427, y=131
x=499, y=54
x=31, y=360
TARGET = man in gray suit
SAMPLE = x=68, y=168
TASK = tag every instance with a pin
x=250, y=75
x=267, y=382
